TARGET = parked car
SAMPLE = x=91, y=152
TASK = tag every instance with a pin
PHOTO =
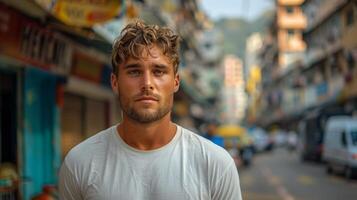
x=340, y=145
x=291, y=141
x=311, y=133
x=280, y=137
x=310, y=138
x=261, y=140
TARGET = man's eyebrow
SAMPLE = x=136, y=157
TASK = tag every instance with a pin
x=133, y=65
x=161, y=66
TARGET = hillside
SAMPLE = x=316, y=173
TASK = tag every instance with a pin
x=236, y=31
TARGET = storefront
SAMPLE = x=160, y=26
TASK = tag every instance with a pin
x=29, y=126
x=89, y=103
x=54, y=93
x=9, y=79
x=34, y=61
x=41, y=130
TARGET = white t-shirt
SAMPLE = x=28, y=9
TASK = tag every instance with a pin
x=188, y=167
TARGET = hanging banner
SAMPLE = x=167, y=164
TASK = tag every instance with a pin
x=82, y=13
x=28, y=41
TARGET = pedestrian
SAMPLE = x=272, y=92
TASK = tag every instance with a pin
x=147, y=156
x=211, y=134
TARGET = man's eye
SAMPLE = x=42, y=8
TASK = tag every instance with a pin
x=134, y=72
x=159, y=72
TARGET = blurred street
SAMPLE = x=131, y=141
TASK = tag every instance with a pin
x=274, y=82
x=280, y=175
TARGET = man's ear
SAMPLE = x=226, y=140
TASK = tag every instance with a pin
x=114, y=83
x=177, y=82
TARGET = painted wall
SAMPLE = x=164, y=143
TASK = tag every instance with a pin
x=41, y=139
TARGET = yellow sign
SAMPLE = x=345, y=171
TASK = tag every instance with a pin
x=230, y=130
x=83, y=13
x=255, y=73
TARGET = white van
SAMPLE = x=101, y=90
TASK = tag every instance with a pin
x=340, y=145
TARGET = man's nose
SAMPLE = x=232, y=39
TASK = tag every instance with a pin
x=147, y=81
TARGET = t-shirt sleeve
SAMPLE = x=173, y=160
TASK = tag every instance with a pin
x=68, y=184
x=228, y=186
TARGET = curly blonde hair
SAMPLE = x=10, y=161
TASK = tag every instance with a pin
x=137, y=36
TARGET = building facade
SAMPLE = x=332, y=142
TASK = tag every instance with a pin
x=324, y=77
x=41, y=68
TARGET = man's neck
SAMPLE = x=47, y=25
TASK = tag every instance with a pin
x=147, y=136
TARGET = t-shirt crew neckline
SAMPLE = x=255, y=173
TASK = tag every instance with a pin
x=173, y=140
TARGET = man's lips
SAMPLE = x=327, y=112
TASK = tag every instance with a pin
x=146, y=98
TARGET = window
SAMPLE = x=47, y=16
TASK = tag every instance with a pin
x=343, y=139
x=289, y=9
x=207, y=45
x=354, y=137
x=349, y=17
x=291, y=32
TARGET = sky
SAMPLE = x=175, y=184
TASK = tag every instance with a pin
x=248, y=9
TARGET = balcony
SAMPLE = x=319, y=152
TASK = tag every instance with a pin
x=292, y=43
x=322, y=13
x=290, y=2
x=292, y=21
x=314, y=55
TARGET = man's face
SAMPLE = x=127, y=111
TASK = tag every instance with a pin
x=146, y=86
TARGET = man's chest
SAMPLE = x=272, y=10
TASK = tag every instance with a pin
x=154, y=182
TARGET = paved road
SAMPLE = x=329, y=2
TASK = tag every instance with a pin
x=280, y=175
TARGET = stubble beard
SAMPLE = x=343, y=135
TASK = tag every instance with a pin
x=144, y=116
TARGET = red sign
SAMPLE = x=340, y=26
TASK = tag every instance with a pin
x=26, y=40
x=45, y=48
x=10, y=26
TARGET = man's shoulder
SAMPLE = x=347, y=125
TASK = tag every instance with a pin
x=90, y=146
x=205, y=147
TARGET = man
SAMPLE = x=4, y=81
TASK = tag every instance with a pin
x=213, y=135
x=147, y=156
